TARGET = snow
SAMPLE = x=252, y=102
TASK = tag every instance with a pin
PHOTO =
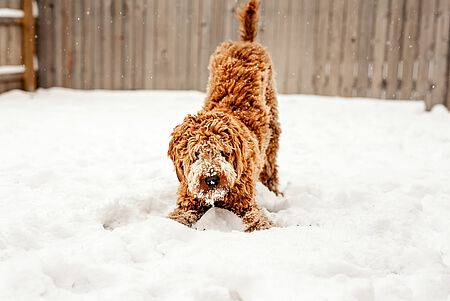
x=85, y=185
x=11, y=13
x=12, y=69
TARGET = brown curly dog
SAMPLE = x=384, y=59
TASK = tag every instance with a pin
x=222, y=151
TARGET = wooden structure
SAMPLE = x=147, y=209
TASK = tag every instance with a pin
x=17, y=47
x=394, y=49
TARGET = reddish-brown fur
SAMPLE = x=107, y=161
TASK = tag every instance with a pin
x=238, y=123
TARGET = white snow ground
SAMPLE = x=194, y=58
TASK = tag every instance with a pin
x=366, y=213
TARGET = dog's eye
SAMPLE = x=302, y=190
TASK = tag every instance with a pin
x=225, y=155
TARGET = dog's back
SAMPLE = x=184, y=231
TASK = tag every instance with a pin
x=241, y=78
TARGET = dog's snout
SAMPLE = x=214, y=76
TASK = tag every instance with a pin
x=212, y=181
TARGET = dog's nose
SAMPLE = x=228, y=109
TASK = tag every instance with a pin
x=212, y=181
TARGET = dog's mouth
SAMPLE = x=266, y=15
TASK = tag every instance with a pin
x=212, y=187
x=210, y=196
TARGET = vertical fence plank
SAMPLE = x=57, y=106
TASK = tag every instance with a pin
x=128, y=43
x=28, y=46
x=150, y=43
x=171, y=82
x=282, y=37
x=426, y=43
x=42, y=43
x=45, y=44
x=204, y=51
x=440, y=59
x=78, y=45
x=269, y=33
x=230, y=28
x=182, y=45
x=67, y=38
x=217, y=26
x=307, y=67
x=365, y=34
x=107, y=44
x=296, y=51
x=117, y=45
x=410, y=36
x=321, y=47
x=194, y=35
x=379, y=48
x=138, y=27
x=57, y=50
x=3, y=41
x=335, y=47
x=350, y=48
x=97, y=49
x=52, y=44
x=161, y=73
x=393, y=48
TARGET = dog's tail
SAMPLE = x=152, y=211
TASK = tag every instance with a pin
x=248, y=16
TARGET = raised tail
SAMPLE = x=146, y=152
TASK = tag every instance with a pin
x=248, y=16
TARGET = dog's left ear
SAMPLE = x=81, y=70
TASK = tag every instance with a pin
x=177, y=147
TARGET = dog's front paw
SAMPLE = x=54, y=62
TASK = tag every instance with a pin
x=259, y=225
x=257, y=220
x=185, y=217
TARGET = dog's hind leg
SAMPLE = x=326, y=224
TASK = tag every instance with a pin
x=269, y=174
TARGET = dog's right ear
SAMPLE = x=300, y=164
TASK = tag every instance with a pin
x=178, y=146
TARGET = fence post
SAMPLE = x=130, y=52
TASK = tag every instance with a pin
x=28, y=45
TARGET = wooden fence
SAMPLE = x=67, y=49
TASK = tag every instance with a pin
x=17, y=43
x=395, y=49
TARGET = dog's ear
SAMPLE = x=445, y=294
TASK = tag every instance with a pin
x=178, y=145
x=241, y=149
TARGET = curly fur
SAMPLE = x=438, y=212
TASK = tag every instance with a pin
x=234, y=137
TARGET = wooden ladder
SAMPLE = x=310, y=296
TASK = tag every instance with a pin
x=27, y=23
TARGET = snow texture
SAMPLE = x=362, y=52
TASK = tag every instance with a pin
x=85, y=185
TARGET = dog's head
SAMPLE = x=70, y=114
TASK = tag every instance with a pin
x=209, y=152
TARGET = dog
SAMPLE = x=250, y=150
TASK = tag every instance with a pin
x=222, y=151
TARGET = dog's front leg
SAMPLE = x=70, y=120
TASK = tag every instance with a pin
x=186, y=217
x=188, y=211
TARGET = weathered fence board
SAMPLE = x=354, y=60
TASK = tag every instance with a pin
x=393, y=47
x=350, y=46
x=365, y=35
x=410, y=35
x=335, y=49
x=440, y=70
x=321, y=46
x=376, y=48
